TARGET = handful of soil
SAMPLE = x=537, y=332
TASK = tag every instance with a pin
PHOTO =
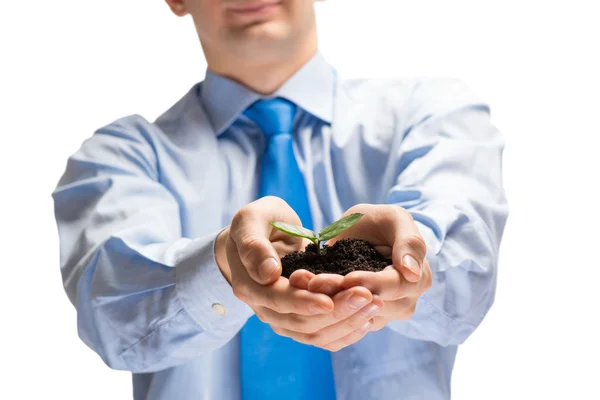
x=343, y=257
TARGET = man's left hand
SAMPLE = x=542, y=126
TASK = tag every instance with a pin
x=392, y=230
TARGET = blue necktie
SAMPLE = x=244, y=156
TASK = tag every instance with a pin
x=272, y=366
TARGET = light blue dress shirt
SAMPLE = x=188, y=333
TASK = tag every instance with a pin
x=140, y=205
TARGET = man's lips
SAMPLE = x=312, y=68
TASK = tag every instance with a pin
x=256, y=7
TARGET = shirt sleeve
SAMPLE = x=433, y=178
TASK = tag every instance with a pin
x=449, y=178
x=144, y=294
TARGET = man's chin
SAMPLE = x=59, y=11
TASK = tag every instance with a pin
x=262, y=40
x=264, y=31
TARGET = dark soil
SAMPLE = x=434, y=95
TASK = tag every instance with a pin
x=343, y=257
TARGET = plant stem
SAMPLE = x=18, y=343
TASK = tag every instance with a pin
x=319, y=251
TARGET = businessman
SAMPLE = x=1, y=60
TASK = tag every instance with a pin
x=167, y=252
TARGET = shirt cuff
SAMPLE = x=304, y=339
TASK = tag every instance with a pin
x=205, y=293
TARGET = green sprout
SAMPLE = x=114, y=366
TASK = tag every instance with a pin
x=329, y=232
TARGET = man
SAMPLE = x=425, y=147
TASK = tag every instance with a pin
x=169, y=258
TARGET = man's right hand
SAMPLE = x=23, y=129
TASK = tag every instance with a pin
x=248, y=254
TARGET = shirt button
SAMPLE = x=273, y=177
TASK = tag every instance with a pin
x=219, y=309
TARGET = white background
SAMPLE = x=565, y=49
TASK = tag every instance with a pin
x=68, y=67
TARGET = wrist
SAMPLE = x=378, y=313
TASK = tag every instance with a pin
x=221, y=254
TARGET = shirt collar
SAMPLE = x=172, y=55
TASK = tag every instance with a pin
x=310, y=88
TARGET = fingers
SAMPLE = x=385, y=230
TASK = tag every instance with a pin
x=346, y=304
x=409, y=250
x=350, y=338
x=340, y=334
x=300, y=278
x=353, y=328
x=329, y=284
x=250, y=230
x=378, y=323
x=389, y=284
x=282, y=297
x=394, y=310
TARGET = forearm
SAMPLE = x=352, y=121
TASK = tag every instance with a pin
x=145, y=308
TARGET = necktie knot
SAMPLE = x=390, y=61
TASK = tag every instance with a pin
x=273, y=116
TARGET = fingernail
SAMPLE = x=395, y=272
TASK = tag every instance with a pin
x=412, y=264
x=318, y=309
x=366, y=326
x=355, y=302
x=370, y=311
x=267, y=267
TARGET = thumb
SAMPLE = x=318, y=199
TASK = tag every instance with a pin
x=251, y=232
x=408, y=256
x=260, y=259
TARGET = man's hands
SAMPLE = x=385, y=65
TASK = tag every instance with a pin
x=248, y=254
x=323, y=310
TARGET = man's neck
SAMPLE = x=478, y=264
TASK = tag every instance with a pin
x=261, y=76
